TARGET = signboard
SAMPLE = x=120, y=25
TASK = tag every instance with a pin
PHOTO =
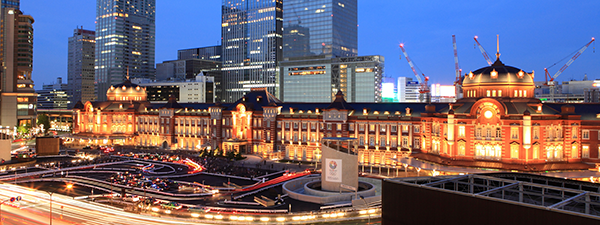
x=334, y=170
x=347, y=187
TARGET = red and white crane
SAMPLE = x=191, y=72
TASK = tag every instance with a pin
x=457, y=69
x=483, y=52
x=424, y=88
x=551, y=81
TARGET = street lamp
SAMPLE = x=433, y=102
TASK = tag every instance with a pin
x=69, y=186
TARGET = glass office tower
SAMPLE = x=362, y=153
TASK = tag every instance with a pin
x=80, y=68
x=251, y=46
x=125, y=37
x=320, y=28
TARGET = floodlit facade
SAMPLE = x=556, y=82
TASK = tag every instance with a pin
x=497, y=124
x=125, y=38
x=80, y=68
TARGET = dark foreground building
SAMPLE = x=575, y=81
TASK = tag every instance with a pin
x=499, y=198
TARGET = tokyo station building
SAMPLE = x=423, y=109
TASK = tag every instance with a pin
x=497, y=124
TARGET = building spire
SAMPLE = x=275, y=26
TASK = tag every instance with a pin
x=127, y=73
x=497, y=47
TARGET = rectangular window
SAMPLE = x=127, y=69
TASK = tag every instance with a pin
x=351, y=127
x=372, y=127
x=372, y=141
x=279, y=136
x=339, y=126
x=461, y=148
x=278, y=124
x=361, y=127
x=406, y=127
x=585, y=151
x=585, y=134
x=404, y=142
x=536, y=152
x=382, y=141
x=461, y=131
x=417, y=129
x=417, y=143
x=514, y=133
x=304, y=126
x=287, y=125
x=328, y=126
x=394, y=142
x=361, y=141
x=382, y=128
x=514, y=151
x=295, y=125
x=394, y=128
x=574, y=132
x=536, y=133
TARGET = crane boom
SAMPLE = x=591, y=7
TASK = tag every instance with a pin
x=456, y=67
x=483, y=52
x=563, y=68
x=424, y=89
x=412, y=66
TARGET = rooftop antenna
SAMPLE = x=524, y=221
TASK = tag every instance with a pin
x=497, y=47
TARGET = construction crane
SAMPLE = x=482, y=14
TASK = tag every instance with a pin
x=424, y=88
x=483, y=52
x=457, y=70
x=550, y=82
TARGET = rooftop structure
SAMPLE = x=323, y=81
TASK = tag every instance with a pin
x=525, y=196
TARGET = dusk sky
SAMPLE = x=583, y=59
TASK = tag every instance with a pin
x=533, y=34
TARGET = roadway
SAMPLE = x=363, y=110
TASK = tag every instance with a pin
x=34, y=209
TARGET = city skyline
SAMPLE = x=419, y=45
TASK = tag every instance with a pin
x=536, y=37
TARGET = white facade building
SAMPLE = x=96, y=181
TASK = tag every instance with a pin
x=408, y=90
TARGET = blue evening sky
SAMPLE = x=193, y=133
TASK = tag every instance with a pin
x=533, y=34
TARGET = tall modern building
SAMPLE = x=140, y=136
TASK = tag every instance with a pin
x=326, y=28
x=125, y=37
x=206, y=53
x=17, y=96
x=251, y=46
x=80, y=69
x=319, y=80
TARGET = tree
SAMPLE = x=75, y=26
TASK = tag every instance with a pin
x=24, y=129
x=43, y=119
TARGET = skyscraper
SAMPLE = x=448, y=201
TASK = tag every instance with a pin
x=251, y=46
x=320, y=28
x=18, y=98
x=80, y=67
x=125, y=37
x=206, y=53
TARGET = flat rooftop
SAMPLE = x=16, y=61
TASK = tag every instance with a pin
x=529, y=190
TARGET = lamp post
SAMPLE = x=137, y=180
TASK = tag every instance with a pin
x=69, y=186
x=50, y=194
